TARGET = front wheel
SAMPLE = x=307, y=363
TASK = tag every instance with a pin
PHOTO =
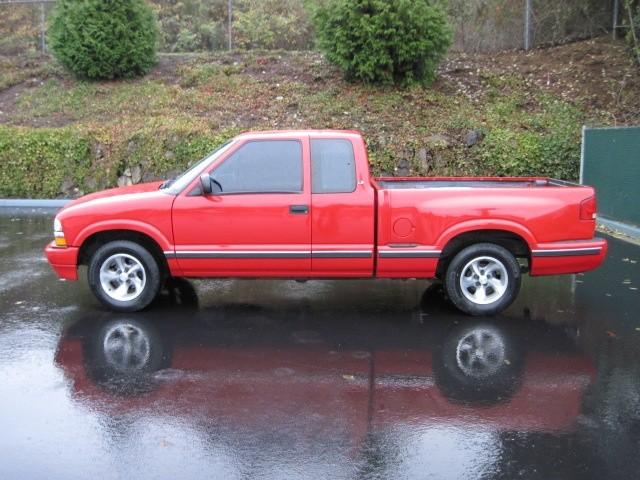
x=483, y=279
x=124, y=276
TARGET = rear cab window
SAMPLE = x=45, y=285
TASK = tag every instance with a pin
x=262, y=166
x=333, y=166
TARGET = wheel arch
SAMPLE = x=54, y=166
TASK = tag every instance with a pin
x=514, y=242
x=98, y=238
x=123, y=225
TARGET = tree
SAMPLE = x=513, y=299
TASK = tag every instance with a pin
x=104, y=39
x=384, y=41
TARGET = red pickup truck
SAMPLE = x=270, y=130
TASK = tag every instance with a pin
x=302, y=205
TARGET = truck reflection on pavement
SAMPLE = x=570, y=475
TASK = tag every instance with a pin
x=309, y=373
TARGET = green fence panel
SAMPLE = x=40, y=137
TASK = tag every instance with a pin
x=611, y=164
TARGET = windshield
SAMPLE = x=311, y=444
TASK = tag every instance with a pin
x=181, y=182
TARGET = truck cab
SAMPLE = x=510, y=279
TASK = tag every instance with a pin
x=279, y=205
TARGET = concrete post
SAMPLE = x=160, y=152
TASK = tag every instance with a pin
x=43, y=28
x=230, y=13
x=527, y=23
x=616, y=9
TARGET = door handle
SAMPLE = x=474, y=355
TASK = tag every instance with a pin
x=299, y=209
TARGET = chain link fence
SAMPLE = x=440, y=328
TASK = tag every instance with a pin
x=23, y=25
x=495, y=25
x=213, y=25
x=184, y=26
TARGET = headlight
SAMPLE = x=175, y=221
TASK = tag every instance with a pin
x=59, y=234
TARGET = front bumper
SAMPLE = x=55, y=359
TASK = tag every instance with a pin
x=568, y=257
x=64, y=261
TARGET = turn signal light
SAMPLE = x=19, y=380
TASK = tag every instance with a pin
x=60, y=241
x=588, y=209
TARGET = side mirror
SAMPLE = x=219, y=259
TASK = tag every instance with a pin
x=205, y=182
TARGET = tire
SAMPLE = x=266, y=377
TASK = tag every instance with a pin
x=483, y=279
x=124, y=276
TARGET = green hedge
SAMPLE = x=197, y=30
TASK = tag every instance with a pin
x=35, y=162
x=56, y=162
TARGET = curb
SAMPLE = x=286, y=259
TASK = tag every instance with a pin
x=620, y=228
x=30, y=206
x=32, y=203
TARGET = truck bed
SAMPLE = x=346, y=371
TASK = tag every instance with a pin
x=464, y=182
x=423, y=215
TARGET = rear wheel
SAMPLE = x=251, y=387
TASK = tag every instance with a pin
x=483, y=279
x=124, y=276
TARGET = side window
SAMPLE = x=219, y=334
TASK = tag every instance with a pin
x=333, y=166
x=269, y=166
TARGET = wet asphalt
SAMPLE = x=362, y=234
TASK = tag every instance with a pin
x=325, y=379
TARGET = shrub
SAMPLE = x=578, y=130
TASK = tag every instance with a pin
x=384, y=41
x=96, y=39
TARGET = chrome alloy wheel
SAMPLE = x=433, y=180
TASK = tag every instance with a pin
x=126, y=347
x=480, y=353
x=122, y=277
x=484, y=280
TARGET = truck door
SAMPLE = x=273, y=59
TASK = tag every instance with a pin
x=258, y=220
x=342, y=211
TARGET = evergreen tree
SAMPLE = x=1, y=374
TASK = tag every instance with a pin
x=384, y=41
x=104, y=39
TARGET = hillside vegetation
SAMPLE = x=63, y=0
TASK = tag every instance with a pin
x=503, y=114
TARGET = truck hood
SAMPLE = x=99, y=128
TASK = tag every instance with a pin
x=113, y=192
